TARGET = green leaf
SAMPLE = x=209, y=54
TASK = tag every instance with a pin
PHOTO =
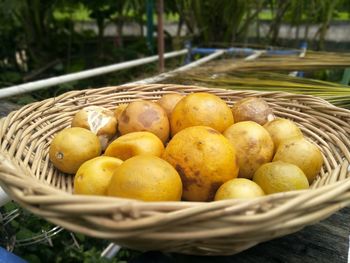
x=24, y=233
x=80, y=237
x=32, y=258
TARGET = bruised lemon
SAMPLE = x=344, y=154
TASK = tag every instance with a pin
x=71, y=147
x=147, y=178
x=280, y=176
x=253, y=145
x=201, y=109
x=239, y=188
x=93, y=176
x=204, y=158
x=135, y=143
x=252, y=109
x=144, y=116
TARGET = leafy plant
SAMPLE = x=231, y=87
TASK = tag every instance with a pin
x=20, y=236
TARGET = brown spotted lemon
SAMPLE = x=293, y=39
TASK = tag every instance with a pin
x=144, y=116
x=205, y=160
x=253, y=145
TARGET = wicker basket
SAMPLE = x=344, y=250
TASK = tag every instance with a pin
x=214, y=228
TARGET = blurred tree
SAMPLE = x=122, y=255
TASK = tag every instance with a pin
x=101, y=11
x=213, y=20
x=278, y=8
x=34, y=41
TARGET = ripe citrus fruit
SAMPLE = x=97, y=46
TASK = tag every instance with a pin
x=280, y=177
x=169, y=101
x=252, y=109
x=201, y=109
x=253, y=145
x=144, y=116
x=93, y=176
x=281, y=130
x=204, y=158
x=303, y=154
x=239, y=188
x=71, y=147
x=135, y=143
x=147, y=178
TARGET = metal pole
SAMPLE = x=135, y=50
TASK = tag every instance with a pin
x=160, y=35
x=150, y=26
x=35, y=85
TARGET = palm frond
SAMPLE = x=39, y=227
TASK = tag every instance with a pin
x=335, y=93
x=312, y=60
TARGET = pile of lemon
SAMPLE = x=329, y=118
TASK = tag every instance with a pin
x=190, y=148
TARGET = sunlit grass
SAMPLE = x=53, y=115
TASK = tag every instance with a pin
x=81, y=13
x=339, y=16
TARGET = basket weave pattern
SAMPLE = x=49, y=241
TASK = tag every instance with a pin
x=214, y=228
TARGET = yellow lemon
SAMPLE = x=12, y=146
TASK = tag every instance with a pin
x=135, y=143
x=239, y=188
x=119, y=110
x=71, y=147
x=147, y=178
x=281, y=130
x=169, y=101
x=201, y=109
x=279, y=176
x=93, y=176
x=303, y=154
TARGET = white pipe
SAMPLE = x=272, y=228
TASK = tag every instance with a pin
x=35, y=85
x=174, y=72
x=110, y=251
x=255, y=55
x=4, y=198
x=196, y=63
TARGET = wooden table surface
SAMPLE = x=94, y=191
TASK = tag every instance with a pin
x=327, y=241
